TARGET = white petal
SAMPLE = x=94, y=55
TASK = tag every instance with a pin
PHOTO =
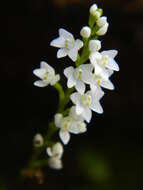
x=55, y=80
x=107, y=84
x=61, y=53
x=94, y=57
x=111, y=64
x=79, y=109
x=65, y=34
x=58, y=42
x=80, y=87
x=95, y=106
x=78, y=44
x=74, y=128
x=39, y=72
x=40, y=83
x=65, y=136
x=73, y=54
x=71, y=82
x=68, y=72
x=87, y=114
x=75, y=97
x=110, y=53
x=46, y=66
x=86, y=68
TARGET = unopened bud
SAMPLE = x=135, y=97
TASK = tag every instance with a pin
x=85, y=32
x=93, y=9
x=102, y=31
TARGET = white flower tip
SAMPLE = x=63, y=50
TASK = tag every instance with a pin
x=65, y=136
x=85, y=32
x=93, y=9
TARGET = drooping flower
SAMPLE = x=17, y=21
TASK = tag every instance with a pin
x=47, y=75
x=78, y=77
x=87, y=102
x=55, y=153
x=67, y=125
x=85, y=32
x=67, y=44
x=56, y=150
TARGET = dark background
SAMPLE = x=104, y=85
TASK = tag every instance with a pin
x=110, y=154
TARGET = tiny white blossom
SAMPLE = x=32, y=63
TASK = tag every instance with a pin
x=67, y=44
x=105, y=59
x=67, y=125
x=38, y=140
x=47, y=75
x=85, y=32
x=94, y=45
x=55, y=163
x=87, y=102
x=78, y=77
x=56, y=150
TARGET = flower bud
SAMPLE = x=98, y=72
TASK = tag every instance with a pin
x=93, y=9
x=102, y=31
x=55, y=163
x=85, y=32
x=94, y=45
x=102, y=21
x=38, y=140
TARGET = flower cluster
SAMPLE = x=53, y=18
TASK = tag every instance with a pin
x=91, y=73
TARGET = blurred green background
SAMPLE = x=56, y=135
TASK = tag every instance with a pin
x=110, y=155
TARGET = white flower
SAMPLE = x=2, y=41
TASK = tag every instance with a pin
x=105, y=59
x=56, y=151
x=47, y=75
x=55, y=163
x=87, y=102
x=38, y=140
x=108, y=60
x=94, y=45
x=67, y=44
x=85, y=32
x=67, y=125
x=103, y=26
x=78, y=77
